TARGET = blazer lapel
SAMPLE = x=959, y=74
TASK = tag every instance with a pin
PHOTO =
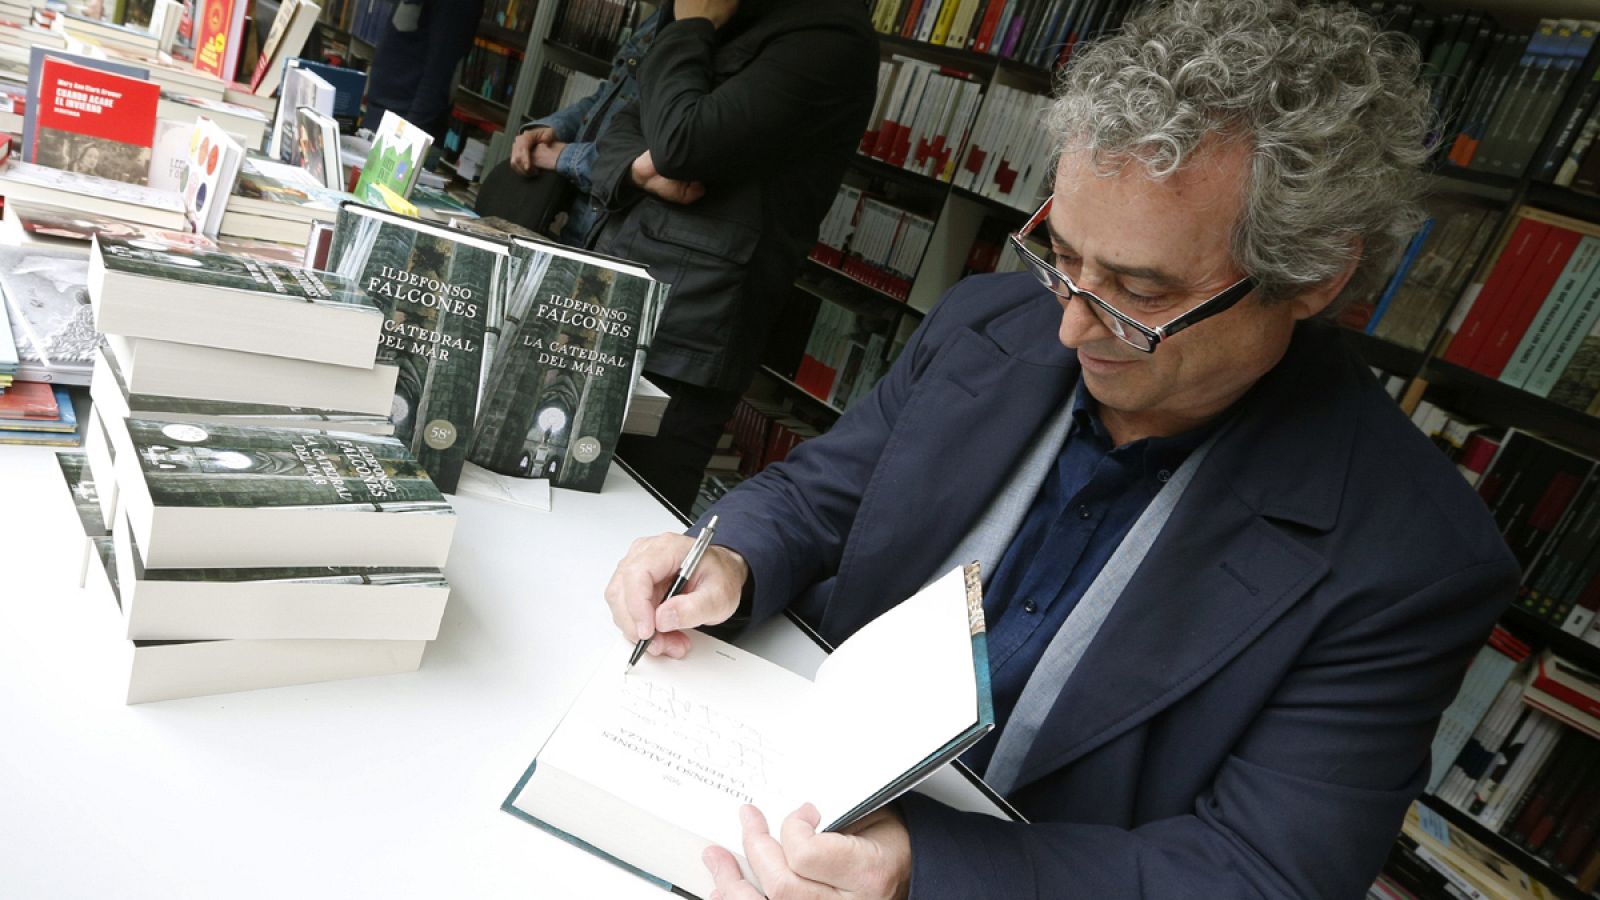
x=985, y=400
x=1222, y=571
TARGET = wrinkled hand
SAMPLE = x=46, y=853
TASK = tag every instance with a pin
x=718, y=11
x=522, y=149
x=671, y=190
x=645, y=574
x=872, y=861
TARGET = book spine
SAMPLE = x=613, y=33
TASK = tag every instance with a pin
x=1560, y=304
x=1506, y=272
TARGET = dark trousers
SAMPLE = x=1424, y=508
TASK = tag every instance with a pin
x=674, y=461
x=412, y=70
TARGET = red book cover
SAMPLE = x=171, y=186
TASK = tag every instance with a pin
x=813, y=377
x=1584, y=701
x=95, y=122
x=991, y=21
x=211, y=45
x=1507, y=271
x=29, y=400
x=1531, y=292
x=909, y=29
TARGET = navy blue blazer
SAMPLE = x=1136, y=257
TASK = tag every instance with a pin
x=1254, y=716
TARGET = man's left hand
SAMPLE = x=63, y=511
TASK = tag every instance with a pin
x=546, y=154
x=872, y=861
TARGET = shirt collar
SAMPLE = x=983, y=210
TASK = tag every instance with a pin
x=1156, y=455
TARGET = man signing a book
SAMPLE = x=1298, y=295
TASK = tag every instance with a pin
x=1229, y=588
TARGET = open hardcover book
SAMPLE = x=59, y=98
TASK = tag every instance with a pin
x=649, y=767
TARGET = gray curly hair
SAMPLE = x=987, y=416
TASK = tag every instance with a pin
x=1332, y=107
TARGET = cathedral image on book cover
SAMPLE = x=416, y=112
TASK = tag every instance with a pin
x=440, y=292
x=577, y=329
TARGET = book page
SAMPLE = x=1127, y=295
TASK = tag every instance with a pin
x=902, y=686
x=689, y=742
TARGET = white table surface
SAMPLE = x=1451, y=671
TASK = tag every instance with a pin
x=387, y=786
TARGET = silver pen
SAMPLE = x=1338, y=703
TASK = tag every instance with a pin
x=685, y=572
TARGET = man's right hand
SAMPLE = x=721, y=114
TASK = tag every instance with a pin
x=522, y=148
x=644, y=575
x=671, y=190
x=718, y=11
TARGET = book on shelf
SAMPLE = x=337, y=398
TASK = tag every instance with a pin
x=1529, y=488
x=31, y=183
x=1471, y=868
x=222, y=496
x=577, y=329
x=94, y=122
x=210, y=168
x=1566, y=692
x=394, y=603
x=172, y=670
x=301, y=87
x=52, y=322
x=291, y=26
x=186, y=295
x=650, y=766
x=111, y=393
x=194, y=372
x=441, y=293
x=398, y=149
x=316, y=147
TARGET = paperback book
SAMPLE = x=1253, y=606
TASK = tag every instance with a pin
x=81, y=488
x=27, y=182
x=37, y=56
x=220, y=496
x=440, y=291
x=94, y=122
x=55, y=228
x=301, y=87
x=190, y=296
x=52, y=322
x=559, y=387
x=398, y=149
x=650, y=766
x=290, y=28
x=210, y=169
x=316, y=148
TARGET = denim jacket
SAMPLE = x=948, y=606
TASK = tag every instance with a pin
x=582, y=122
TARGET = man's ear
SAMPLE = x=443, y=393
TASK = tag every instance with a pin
x=1312, y=301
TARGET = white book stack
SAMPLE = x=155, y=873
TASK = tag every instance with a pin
x=249, y=537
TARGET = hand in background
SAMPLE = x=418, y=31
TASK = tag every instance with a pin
x=546, y=154
x=522, y=149
x=871, y=862
x=718, y=11
x=671, y=190
x=644, y=575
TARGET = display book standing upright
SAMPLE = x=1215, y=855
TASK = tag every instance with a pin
x=651, y=764
x=534, y=345
x=245, y=556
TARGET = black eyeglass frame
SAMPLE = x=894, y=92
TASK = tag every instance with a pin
x=1144, y=338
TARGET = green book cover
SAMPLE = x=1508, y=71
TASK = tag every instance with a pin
x=441, y=294
x=189, y=465
x=194, y=265
x=397, y=152
x=80, y=484
x=576, y=330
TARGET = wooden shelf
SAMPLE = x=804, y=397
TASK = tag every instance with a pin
x=1535, y=867
x=494, y=31
x=800, y=393
x=845, y=289
x=1492, y=402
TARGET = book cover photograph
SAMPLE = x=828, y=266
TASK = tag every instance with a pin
x=301, y=87
x=560, y=383
x=397, y=152
x=296, y=190
x=37, y=56
x=316, y=147
x=194, y=265
x=48, y=301
x=95, y=122
x=439, y=291
x=188, y=465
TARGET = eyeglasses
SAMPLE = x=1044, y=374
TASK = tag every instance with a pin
x=1134, y=333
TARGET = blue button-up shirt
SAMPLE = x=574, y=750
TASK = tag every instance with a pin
x=1087, y=504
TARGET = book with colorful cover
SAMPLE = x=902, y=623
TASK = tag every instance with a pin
x=29, y=400
x=36, y=57
x=316, y=147
x=283, y=191
x=218, y=28
x=94, y=122
x=65, y=419
x=301, y=87
x=211, y=169
x=397, y=153
x=577, y=325
x=440, y=292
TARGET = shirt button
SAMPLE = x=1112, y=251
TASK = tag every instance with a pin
x=1030, y=607
x=1083, y=512
x=1163, y=475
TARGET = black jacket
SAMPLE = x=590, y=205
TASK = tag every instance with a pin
x=765, y=112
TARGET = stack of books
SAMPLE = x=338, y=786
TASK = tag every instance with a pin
x=276, y=201
x=257, y=524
